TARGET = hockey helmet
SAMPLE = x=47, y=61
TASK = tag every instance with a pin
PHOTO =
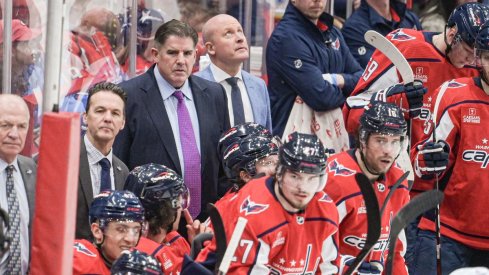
x=303, y=153
x=382, y=118
x=155, y=183
x=243, y=154
x=468, y=18
x=136, y=262
x=238, y=132
x=116, y=206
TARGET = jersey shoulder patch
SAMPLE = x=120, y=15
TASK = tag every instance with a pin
x=250, y=207
x=400, y=35
x=339, y=170
x=84, y=250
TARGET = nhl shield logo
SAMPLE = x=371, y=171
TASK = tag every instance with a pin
x=381, y=187
x=362, y=50
x=300, y=220
x=298, y=63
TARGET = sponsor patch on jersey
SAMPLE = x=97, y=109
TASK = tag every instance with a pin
x=250, y=207
x=83, y=249
x=298, y=63
x=470, y=115
x=340, y=170
x=362, y=50
x=400, y=35
x=421, y=73
x=279, y=240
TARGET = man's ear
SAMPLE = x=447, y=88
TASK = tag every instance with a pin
x=451, y=32
x=211, y=49
x=154, y=54
x=244, y=176
x=97, y=233
x=84, y=116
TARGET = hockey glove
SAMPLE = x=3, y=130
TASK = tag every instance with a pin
x=413, y=91
x=365, y=268
x=431, y=159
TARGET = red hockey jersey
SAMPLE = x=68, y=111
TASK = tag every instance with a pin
x=276, y=241
x=87, y=259
x=429, y=66
x=343, y=189
x=461, y=117
x=171, y=263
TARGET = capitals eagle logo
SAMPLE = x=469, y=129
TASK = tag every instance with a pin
x=340, y=170
x=250, y=207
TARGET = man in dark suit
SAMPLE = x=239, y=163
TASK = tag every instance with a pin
x=99, y=168
x=226, y=45
x=17, y=181
x=174, y=118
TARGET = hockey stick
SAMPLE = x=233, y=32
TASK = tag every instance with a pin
x=442, y=91
x=386, y=47
x=382, y=44
x=233, y=244
x=417, y=206
x=391, y=192
x=373, y=220
x=219, y=233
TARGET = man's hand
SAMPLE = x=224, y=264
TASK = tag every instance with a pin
x=194, y=228
x=432, y=159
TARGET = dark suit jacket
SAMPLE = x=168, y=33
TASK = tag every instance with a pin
x=28, y=170
x=85, y=191
x=147, y=136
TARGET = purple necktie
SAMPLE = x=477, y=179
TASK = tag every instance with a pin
x=191, y=155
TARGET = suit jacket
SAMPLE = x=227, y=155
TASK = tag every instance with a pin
x=85, y=190
x=257, y=92
x=147, y=136
x=28, y=170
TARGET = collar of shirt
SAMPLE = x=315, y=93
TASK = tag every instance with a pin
x=167, y=90
x=4, y=164
x=94, y=155
x=220, y=75
x=398, y=10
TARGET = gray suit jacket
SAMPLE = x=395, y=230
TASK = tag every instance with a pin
x=85, y=191
x=28, y=170
x=257, y=92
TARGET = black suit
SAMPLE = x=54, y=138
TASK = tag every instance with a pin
x=148, y=138
x=85, y=190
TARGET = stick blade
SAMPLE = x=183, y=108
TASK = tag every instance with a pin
x=373, y=219
x=417, y=206
x=381, y=43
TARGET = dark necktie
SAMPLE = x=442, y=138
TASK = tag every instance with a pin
x=105, y=182
x=238, y=109
x=191, y=155
x=13, y=266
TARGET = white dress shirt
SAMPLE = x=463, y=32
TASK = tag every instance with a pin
x=94, y=156
x=23, y=209
x=220, y=76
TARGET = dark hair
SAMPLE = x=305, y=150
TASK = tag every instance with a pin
x=106, y=86
x=177, y=28
x=164, y=217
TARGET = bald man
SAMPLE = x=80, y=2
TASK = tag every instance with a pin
x=17, y=182
x=227, y=48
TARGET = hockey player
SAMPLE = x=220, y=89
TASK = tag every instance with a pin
x=238, y=132
x=136, y=262
x=433, y=57
x=460, y=156
x=292, y=223
x=381, y=134
x=116, y=219
x=164, y=196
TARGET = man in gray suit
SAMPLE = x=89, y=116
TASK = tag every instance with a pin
x=17, y=182
x=227, y=48
x=99, y=168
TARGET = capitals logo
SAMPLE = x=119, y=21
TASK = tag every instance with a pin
x=340, y=170
x=400, y=35
x=325, y=198
x=83, y=249
x=336, y=44
x=455, y=84
x=250, y=207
